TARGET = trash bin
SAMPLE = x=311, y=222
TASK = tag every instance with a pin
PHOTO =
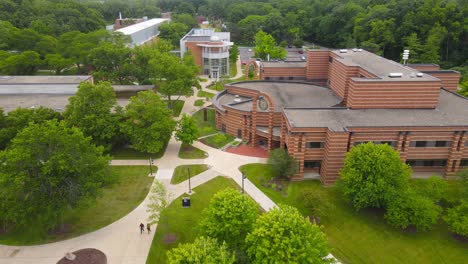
x=185, y=202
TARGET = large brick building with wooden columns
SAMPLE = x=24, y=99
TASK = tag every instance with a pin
x=347, y=98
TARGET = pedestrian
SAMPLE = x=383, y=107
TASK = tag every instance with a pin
x=148, y=228
x=142, y=228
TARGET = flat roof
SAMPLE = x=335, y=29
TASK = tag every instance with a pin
x=379, y=66
x=285, y=94
x=451, y=111
x=43, y=79
x=140, y=26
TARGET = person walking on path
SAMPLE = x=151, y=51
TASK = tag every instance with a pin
x=142, y=228
x=148, y=227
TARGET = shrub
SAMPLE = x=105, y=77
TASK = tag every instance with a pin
x=411, y=209
x=317, y=201
x=373, y=175
x=457, y=219
x=434, y=188
x=202, y=250
x=283, y=164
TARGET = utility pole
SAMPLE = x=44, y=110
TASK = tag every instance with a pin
x=151, y=165
x=243, y=178
x=189, y=186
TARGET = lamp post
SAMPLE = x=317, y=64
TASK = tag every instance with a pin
x=189, y=186
x=151, y=165
x=243, y=177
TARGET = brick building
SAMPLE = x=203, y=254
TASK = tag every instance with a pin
x=210, y=50
x=347, y=97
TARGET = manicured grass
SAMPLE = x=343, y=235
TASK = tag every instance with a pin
x=199, y=102
x=218, y=140
x=205, y=94
x=128, y=153
x=177, y=107
x=190, y=152
x=218, y=86
x=181, y=172
x=206, y=127
x=115, y=201
x=364, y=237
x=183, y=221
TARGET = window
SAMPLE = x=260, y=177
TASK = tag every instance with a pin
x=421, y=144
x=427, y=163
x=311, y=164
x=314, y=145
x=466, y=143
x=441, y=144
x=330, y=59
x=464, y=163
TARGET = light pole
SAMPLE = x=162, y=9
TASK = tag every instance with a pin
x=189, y=186
x=151, y=165
x=243, y=177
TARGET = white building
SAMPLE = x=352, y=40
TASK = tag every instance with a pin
x=210, y=50
x=143, y=32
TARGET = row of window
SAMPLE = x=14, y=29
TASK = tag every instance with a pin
x=430, y=144
x=315, y=164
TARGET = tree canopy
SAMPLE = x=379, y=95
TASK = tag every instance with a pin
x=47, y=169
x=373, y=175
x=283, y=164
x=202, y=250
x=283, y=235
x=187, y=130
x=148, y=122
x=265, y=47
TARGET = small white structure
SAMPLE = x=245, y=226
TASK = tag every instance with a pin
x=143, y=32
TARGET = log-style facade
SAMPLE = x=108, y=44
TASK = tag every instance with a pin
x=347, y=98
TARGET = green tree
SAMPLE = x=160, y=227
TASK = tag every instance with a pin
x=187, y=19
x=20, y=118
x=173, y=32
x=433, y=188
x=283, y=235
x=25, y=63
x=265, y=46
x=434, y=40
x=91, y=110
x=283, y=164
x=233, y=54
x=57, y=62
x=457, y=218
x=413, y=44
x=47, y=169
x=187, y=130
x=148, y=122
x=112, y=62
x=229, y=217
x=373, y=175
x=202, y=250
x=410, y=209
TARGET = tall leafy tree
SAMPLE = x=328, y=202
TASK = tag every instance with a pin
x=283, y=235
x=47, y=169
x=91, y=110
x=229, y=217
x=202, y=250
x=283, y=164
x=173, y=32
x=148, y=122
x=373, y=175
x=112, y=62
x=187, y=130
x=265, y=46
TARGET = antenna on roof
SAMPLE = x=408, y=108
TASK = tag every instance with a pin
x=120, y=15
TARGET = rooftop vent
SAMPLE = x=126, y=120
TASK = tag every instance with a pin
x=359, y=50
x=343, y=50
x=237, y=98
x=395, y=75
x=419, y=74
x=354, y=50
x=413, y=75
x=214, y=38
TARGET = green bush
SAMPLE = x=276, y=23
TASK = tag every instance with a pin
x=434, y=188
x=317, y=201
x=411, y=209
x=457, y=219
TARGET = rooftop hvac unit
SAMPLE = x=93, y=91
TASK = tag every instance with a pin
x=419, y=74
x=359, y=50
x=395, y=75
x=343, y=50
x=237, y=98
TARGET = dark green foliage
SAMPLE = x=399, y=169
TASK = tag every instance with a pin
x=434, y=188
x=47, y=169
x=173, y=32
x=229, y=217
x=187, y=130
x=457, y=218
x=410, y=209
x=233, y=53
x=283, y=164
x=317, y=201
x=373, y=175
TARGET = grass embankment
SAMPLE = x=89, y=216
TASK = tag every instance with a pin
x=190, y=152
x=205, y=94
x=181, y=172
x=199, y=102
x=182, y=222
x=207, y=127
x=218, y=140
x=364, y=237
x=115, y=201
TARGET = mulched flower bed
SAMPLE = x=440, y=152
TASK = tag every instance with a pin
x=86, y=256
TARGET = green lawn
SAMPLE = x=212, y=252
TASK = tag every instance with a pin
x=206, y=127
x=364, y=237
x=183, y=221
x=181, y=172
x=128, y=153
x=190, y=152
x=177, y=107
x=218, y=86
x=115, y=201
x=218, y=140
x=205, y=94
x=199, y=102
